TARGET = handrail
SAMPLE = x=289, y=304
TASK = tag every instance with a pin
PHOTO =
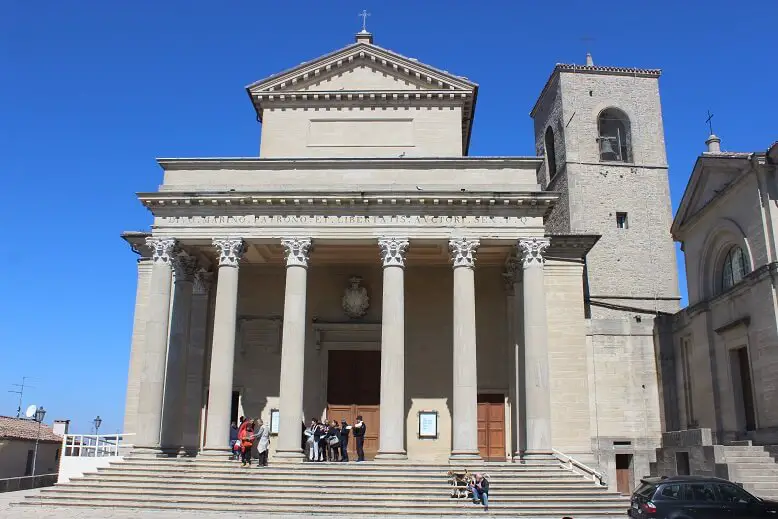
x=94, y=445
x=572, y=463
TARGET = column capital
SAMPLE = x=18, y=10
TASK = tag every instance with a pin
x=184, y=267
x=230, y=251
x=393, y=251
x=296, y=251
x=532, y=251
x=463, y=252
x=162, y=250
x=202, y=282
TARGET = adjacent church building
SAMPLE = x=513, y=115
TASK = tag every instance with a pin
x=469, y=308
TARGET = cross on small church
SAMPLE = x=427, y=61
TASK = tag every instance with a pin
x=710, y=124
x=364, y=14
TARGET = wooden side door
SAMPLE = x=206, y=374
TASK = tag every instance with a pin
x=491, y=427
x=624, y=474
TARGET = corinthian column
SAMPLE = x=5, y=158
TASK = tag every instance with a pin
x=152, y=379
x=537, y=391
x=195, y=361
x=293, y=348
x=393, y=349
x=465, y=419
x=217, y=435
x=173, y=403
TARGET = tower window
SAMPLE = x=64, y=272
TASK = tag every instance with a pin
x=548, y=143
x=621, y=221
x=614, y=136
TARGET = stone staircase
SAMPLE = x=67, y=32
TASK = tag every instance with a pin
x=537, y=489
x=752, y=466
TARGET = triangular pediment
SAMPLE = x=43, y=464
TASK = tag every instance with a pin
x=364, y=68
x=712, y=175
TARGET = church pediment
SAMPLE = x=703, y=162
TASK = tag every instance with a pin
x=711, y=177
x=362, y=67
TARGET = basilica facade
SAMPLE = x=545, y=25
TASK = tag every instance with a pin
x=469, y=308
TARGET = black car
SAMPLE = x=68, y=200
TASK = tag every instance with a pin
x=696, y=497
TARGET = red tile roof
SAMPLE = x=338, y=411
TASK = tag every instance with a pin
x=25, y=429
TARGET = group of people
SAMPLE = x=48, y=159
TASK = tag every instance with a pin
x=243, y=438
x=328, y=441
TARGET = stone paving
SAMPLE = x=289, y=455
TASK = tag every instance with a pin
x=8, y=511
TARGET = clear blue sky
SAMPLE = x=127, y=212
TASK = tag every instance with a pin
x=93, y=91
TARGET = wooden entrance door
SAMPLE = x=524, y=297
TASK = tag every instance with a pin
x=624, y=474
x=354, y=389
x=491, y=427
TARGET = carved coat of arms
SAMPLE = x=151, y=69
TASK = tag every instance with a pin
x=355, y=299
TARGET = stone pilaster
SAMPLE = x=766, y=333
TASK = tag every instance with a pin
x=465, y=404
x=195, y=361
x=217, y=434
x=536, y=374
x=296, y=252
x=393, y=349
x=152, y=377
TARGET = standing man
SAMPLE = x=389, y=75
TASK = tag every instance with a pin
x=359, y=430
x=263, y=442
x=344, y=430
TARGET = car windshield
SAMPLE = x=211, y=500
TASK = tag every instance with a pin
x=646, y=489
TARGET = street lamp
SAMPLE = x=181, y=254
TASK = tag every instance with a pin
x=40, y=413
x=97, y=421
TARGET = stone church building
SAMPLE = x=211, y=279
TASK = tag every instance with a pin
x=364, y=263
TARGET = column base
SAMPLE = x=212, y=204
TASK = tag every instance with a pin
x=540, y=455
x=214, y=453
x=465, y=456
x=391, y=456
x=295, y=456
x=145, y=452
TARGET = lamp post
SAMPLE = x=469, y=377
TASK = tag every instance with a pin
x=40, y=413
x=97, y=421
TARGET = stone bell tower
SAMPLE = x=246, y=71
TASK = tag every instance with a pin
x=600, y=131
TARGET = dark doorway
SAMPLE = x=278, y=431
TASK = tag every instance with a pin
x=234, y=406
x=354, y=389
x=491, y=427
x=741, y=380
x=624, y=474
x=28, y=468
x=682, y=464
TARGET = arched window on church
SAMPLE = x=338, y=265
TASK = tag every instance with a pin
x=614, y=136
x=548, y=143
x=734, y=269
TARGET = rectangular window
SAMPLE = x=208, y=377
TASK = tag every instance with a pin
x=621, y=220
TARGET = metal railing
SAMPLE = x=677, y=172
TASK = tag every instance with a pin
x=95, y=445
x=576, y=466
x=27, y=482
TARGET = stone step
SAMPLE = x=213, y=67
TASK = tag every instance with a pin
x=754, y=477
x=763, y=458
x=320, y=497
x=241, y=504
x=334, y=468
x=204, y=460
x=263, y=473
x=507, y=486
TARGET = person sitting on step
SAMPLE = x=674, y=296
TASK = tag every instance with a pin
x=480, y=489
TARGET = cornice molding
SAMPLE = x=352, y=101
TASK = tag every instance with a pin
x=540, y=202
x=251, y=163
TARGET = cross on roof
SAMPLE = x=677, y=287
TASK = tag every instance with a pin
x=710, y=124
x=364, y=14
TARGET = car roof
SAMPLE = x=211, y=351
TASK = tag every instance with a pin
x=685, y=479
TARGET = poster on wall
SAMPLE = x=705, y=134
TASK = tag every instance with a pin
x=274, y=418
x=428, y=424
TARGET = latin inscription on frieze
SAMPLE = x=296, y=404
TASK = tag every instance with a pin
x=324, y=220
